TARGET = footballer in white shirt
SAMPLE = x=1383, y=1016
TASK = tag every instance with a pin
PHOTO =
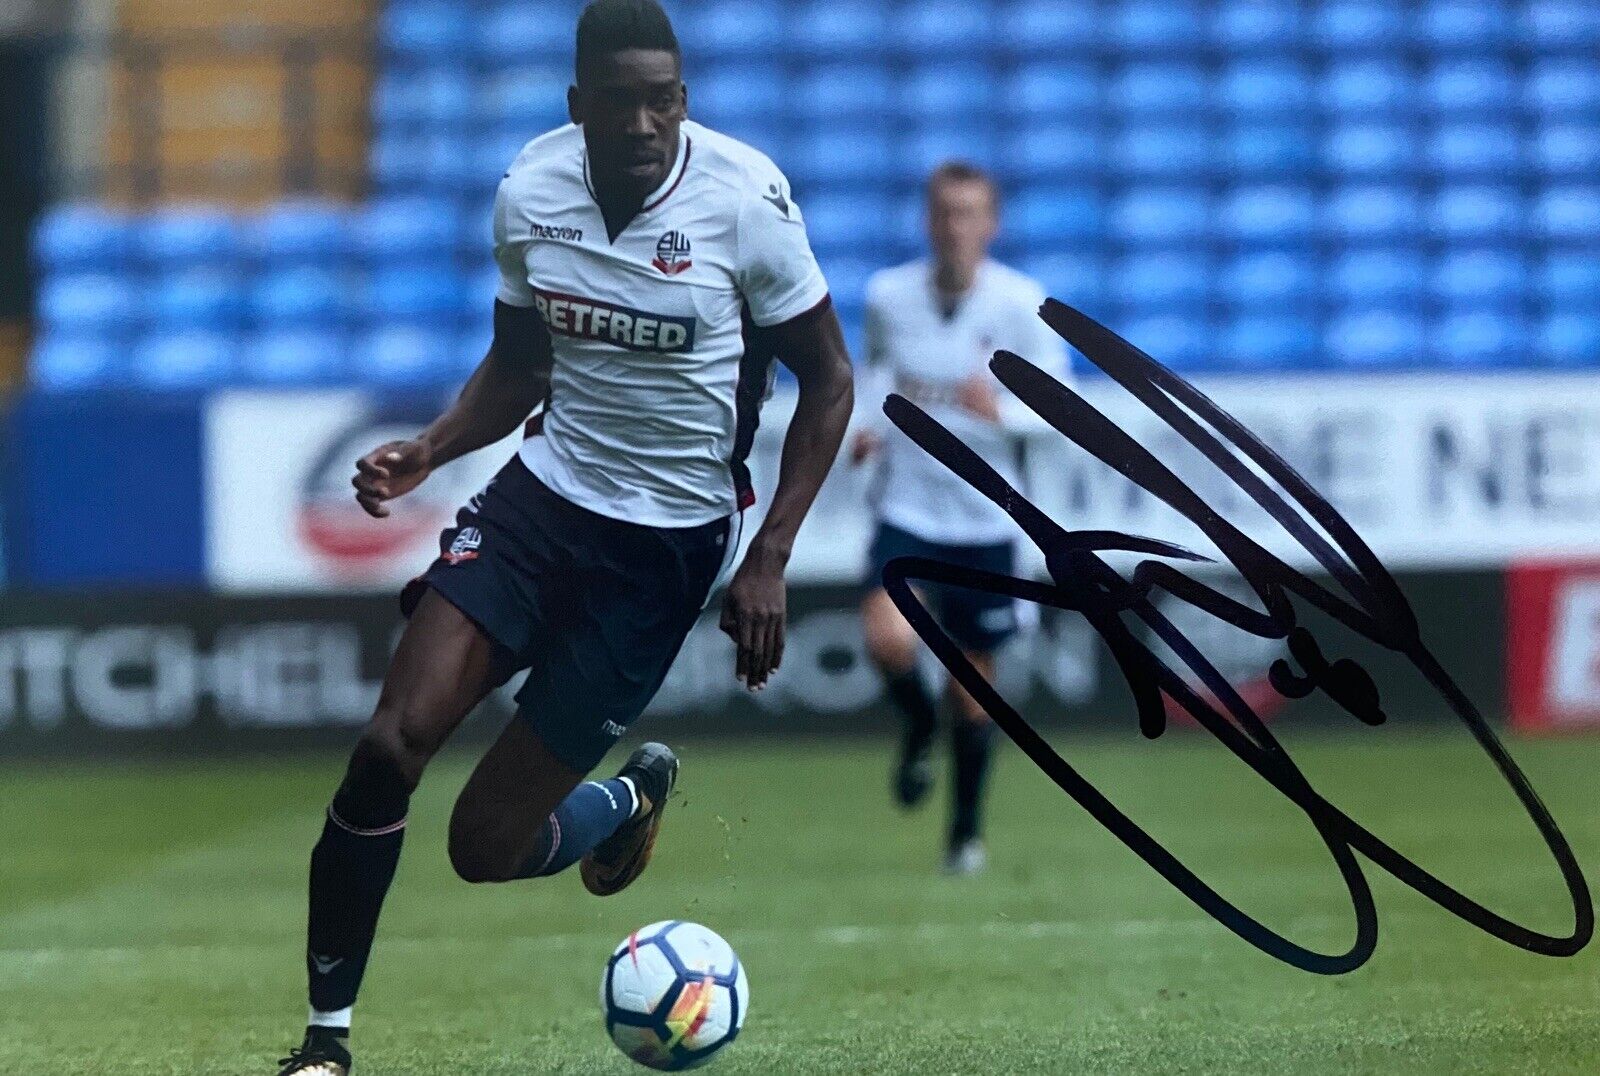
x=932, y=326
x=651, y=272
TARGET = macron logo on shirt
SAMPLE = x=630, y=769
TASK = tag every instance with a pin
x=591, y=319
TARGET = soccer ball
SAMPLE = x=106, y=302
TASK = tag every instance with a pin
x=673, y=994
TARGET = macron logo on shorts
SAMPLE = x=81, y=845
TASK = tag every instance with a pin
x=636, y=330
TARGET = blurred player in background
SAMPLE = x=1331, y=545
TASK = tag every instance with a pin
x=650, y=271
x=932, y=325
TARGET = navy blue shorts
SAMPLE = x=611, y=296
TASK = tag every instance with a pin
x=596, y=608
x=976, y=620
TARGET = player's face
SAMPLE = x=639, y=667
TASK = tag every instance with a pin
x=630, y=112
x=961, y=221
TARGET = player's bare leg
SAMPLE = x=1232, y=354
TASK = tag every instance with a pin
x=524, y=813
x=892, y=647
x=444, y=666
x=971, y=743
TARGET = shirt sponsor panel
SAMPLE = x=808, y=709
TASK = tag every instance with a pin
x=609, y=323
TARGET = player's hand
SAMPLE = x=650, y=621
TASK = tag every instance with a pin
x=977, y=394
x=753, y=615
x=390, y=471
x=865, y=443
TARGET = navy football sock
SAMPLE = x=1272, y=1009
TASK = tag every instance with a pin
x=915, y=702
x=971, y=745
x=590, y=813
x=352, y=866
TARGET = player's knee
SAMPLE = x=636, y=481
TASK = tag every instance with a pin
x=891, y=642
x=391, y=744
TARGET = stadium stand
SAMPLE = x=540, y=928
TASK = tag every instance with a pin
x=1234, y=185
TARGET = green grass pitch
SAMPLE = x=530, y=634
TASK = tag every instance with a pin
x=151, y=920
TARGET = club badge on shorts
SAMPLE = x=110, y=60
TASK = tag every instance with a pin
x=465, y=546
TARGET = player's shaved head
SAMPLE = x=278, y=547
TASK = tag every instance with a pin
x=611, y=26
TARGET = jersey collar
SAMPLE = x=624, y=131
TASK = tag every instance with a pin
x=674, y=175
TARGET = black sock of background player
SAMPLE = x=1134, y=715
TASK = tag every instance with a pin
x=915, y=702
x=971, y=744
x=351, y=868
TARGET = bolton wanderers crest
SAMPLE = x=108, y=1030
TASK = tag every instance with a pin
x=672, y=253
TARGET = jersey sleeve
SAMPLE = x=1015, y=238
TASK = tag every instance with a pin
x=510, y=250
x=875, y=380
x=1039, y=344
x=777, y=273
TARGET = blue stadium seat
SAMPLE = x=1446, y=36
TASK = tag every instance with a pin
x=1478, y=212
x=1269, y=214
x=1365, y=85
x=1053, y=214
x=523, y=32
x=953, y=93
x=1464, y=24
x=301, y=231
x=446, y=95
x=1568, y=149
x=1479, y=338
x=1077, y=279
x=924, y=149
x=1569, y=214
x=1480, y=278
x=1143, y=27
x=89, y=304
x=300, y=298
x=1266, y=341
x=1563, y=24
x=1242, y=26
x=196, y=359
x=448, y=164
x=533, y=99
x=824, y=28
x=394, y=229
x=1144, y=89
x=1160, y=215
x=941, y=27
x=294, y=357
x=1170, y=151
x=1564, y=85
x=737, y=91
x=416, y=295
x=832, y=91
x=906, y=228
x=1067, y=151
x=837, y=220
x=1359, y=26
x=842, y=154
x=67, y=363
x=1178, y=342
x=397, y=100
x=406, y=355
x=1369, y=149
x=1363, y=278
x=734, y=28
x=1568, y=339
x=1270, y=280
x=399, y=161
x=1375, y=337
x=82, y=236
x=1372, y=212
x=433, y=29
x=1475, y=149
x=187, y=235
x=1478, y=85
x=1569, y=280
x=847, y=282
x=1159, y=281
x=1052, y=90
x=1265, y=88
x=1050, y=27
x=1286, y=150
x=492, y=152
x=197, y=299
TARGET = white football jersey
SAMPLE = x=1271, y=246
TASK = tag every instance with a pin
x=914, y=350
x=653, y=395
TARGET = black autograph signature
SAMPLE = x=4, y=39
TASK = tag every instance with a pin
x=1084, y=583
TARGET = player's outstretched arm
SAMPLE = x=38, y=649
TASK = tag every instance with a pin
x=510, y=381
x=753, y=612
